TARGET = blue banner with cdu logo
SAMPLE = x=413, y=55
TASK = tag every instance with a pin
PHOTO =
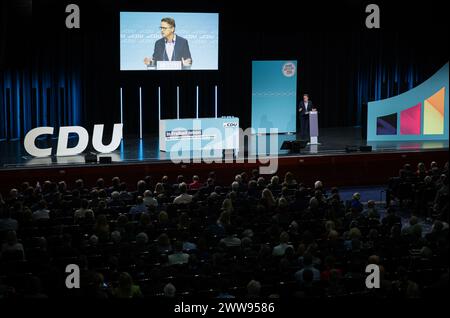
x=274, y=95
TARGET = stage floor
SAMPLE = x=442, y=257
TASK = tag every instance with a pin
x=333, y=141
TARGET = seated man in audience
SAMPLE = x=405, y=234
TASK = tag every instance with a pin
x=230, y=240
x=123, y=193
x=178, y=257
x=307, y=265
x=188, y=246
x=195, y=185
x=6, y=222
x=83, y=211
x=413, y=229
x=42, y=213
x=115, y=201
x=139, y=208
x=183, y=198
x=149, y=200
x=280, y=249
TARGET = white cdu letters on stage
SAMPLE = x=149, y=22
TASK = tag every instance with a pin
x=83, y=140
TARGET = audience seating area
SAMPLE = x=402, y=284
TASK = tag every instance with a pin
x=253, y=236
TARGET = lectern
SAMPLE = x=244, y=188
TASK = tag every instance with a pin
x=165, y=65
x=313, y=128
x=168, y=65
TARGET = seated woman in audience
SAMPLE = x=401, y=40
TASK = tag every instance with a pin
x=267, y=200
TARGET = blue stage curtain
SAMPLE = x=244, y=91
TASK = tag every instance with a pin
x=32, y=98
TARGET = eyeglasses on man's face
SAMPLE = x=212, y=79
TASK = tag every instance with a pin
x=164, y=28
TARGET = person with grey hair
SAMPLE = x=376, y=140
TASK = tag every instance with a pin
x=274, y=184
x=235, y=186
x=115, y=201
x=261, y=183
x=149, y=200
x=318, y=185
x=413, y=229
x=241, y=187
x=183, y=198
x=195, y=184
x=13, y=196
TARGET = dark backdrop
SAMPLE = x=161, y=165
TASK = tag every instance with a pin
x=54, y=76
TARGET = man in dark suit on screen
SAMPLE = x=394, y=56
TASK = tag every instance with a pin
x=305, y=106
x=171, y=47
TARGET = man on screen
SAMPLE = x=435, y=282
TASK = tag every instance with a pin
x=171, y=47
x=304, y=107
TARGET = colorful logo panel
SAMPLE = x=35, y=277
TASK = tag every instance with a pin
x=387, y=125
x=417, y=115
x=433, y=122
x=410, y=120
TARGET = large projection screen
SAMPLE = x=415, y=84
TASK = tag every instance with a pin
x=141, y=36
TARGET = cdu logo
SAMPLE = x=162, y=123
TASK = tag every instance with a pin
x=230, y=125
x=288, y=69
x=373, y=279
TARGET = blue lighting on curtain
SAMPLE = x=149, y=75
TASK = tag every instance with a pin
x=33, y=98
x=141, y=150
x=378, y=79
x=122, y=150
